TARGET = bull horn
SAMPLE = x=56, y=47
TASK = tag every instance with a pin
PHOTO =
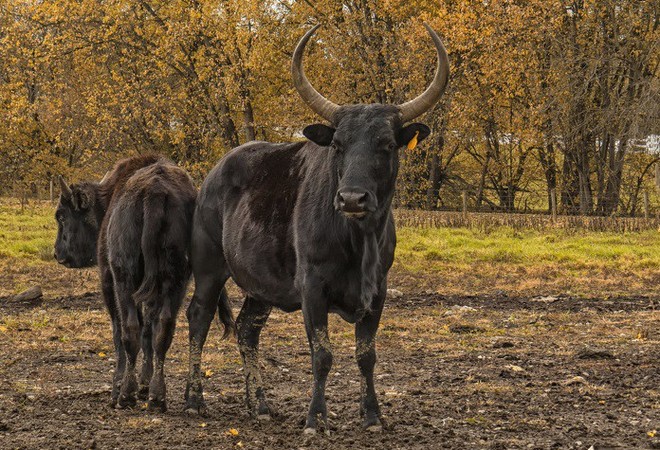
x=105, y=177
x=424, y=102
x=318, y=103
x=66, y=190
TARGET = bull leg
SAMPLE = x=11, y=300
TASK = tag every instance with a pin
x=250, y=321
x=316, y=326
x=210, y=272
x=130, y=336
x=200, y=313
x=365, y=354
x=120, y=354
x=147, y=355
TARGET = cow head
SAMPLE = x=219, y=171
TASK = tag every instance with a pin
x=77, y=225
x=366, y=138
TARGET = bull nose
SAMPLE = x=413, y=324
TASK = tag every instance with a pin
x=352, y=201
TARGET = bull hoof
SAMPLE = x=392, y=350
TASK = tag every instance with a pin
x=157, y=405
x=125, y=402
x=373, y=425
x=262, y=412
x=143, y=392
x=196, y=409
x=309, y=431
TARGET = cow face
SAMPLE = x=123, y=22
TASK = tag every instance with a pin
x=77, y=226
x=365, y=143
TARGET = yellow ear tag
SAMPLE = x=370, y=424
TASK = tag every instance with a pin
x=413, y=142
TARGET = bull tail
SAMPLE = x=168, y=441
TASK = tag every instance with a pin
x=153, y=219
x=225, y=314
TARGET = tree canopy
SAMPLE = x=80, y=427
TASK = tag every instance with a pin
x=543, y=95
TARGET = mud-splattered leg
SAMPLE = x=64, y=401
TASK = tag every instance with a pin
x=210, y=272
x=315, y=313
x=365, y=354
x=250, y=321
x=200, y=315
x=130, y=335
x=120, y=354
x=147, y=355
x=164, y=324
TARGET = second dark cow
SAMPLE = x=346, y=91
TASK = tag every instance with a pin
x=137, y=224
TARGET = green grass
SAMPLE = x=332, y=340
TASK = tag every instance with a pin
x=433, y=249
x=28, y=235
x=448, y=260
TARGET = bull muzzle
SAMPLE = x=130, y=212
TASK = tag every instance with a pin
x=355, y=203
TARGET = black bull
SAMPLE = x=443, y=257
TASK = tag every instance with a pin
x=308, y=226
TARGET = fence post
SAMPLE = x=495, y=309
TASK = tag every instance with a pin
x=464, y=195
x=553, y=204
x=646, y=204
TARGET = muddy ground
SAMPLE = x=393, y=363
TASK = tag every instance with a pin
x=453, y=372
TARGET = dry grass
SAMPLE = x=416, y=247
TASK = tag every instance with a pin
x=538, y=222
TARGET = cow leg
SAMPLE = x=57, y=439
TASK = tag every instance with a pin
x=250, y=321
x=130, y=336
x=365, y=354
x=210, y=272
x=147, y=355
x=164, y=324
x=316, y=326
x=120, y=354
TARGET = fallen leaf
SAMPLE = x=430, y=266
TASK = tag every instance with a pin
x=232, y=432
x=203, y=424
x=102, y=354
x=239, y=444
x=208, y=373
x=3, y=328
x=652, y=433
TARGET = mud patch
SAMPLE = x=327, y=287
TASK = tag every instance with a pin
x=505, y=373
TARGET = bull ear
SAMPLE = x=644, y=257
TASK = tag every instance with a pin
x=412, y=134
x=81, y=199
x=66, y=190
x=319, y=134
x=84, y=202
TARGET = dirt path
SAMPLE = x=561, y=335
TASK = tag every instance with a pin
x=454, y=372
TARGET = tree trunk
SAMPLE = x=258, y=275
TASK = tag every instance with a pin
x=433, y=191
x=549, y=165
x=248, y=118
